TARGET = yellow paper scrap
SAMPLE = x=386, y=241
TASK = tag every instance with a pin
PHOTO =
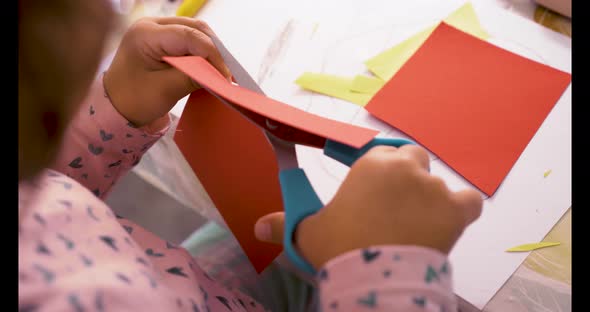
x=465, y=18
x=189, y=7
x=547, y=173
x=533, y=246
x=385, y=64
x=366, y=84
x=331, y=85
x=315, y=28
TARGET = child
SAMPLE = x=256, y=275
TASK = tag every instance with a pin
x=380, y=244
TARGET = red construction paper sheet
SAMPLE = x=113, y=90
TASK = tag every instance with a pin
x=237, y=167
x=473, y=104
x=206, y=75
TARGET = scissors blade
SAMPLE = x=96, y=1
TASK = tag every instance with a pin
x=244, y=80
x=240, y=74
x=284, y=150
x=280, y=130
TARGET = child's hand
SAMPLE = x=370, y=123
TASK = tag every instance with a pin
x=140, y=85
x=388, y=198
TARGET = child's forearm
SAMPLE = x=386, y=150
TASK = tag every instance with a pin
x=100, y=145
x=388, y=278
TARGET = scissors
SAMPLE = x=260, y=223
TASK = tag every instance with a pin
x=299, y=198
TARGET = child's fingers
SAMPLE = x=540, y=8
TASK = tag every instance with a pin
x=201, y=27
x=417, y=153
x=270, y=228
x=179, y=40
x=408, y=151
x=186, y=21
x=179, y=83
x=470, y=202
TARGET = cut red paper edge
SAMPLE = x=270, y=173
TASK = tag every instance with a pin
x=408, y=84
x=283, y=131
x=236, y=165
x=207, y=76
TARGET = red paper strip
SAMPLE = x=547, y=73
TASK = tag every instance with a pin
x=206, y=75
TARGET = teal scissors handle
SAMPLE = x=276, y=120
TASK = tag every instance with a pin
x=300, y=200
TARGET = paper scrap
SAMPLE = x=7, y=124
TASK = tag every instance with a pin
x=530, y=247
x=366, y=84
x=458, y=94
x=547, y=173
x=207, y=76
x=315, y=28
x=465, y=19
x=189, y=7
x=336, y=86
x=387, y=63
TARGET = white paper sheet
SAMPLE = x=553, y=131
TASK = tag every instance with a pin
x=526, y=205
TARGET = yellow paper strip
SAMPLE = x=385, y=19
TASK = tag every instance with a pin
x=547, y=173
x=366, y=84
x=331, y=85
x=465, y=19
x=533, y=246
x=315, y=28
x=189, y=7
x=388, y=62
x=385, y=64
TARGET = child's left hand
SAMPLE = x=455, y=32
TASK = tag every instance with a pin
x=140, y=85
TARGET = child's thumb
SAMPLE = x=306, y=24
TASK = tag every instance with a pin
x=270, y=228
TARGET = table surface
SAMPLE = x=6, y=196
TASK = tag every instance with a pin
x=541, y=283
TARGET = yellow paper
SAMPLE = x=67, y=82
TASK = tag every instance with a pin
x=331, y=85
x=366, y=84
x=533, y=246
x=465, y=19
x=385, y=64
x=547, y=173
x=189, y=7
x=315, y=28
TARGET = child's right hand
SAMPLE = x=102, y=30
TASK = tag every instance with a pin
x=388, y=198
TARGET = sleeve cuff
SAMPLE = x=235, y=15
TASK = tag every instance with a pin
x=391, y=271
